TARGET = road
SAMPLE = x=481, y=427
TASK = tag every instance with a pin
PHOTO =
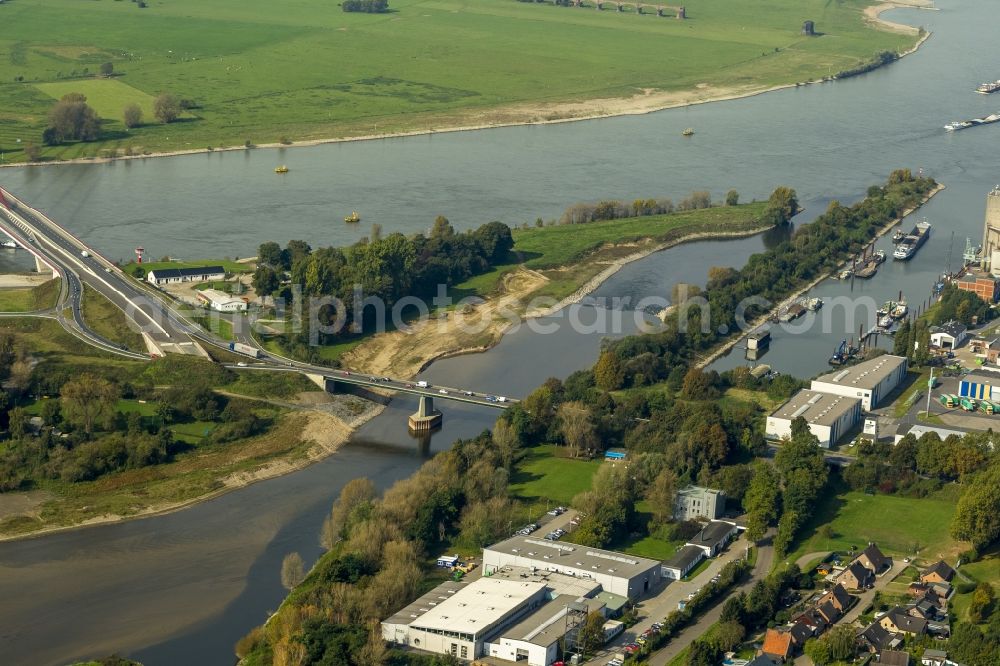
x=655, y=608
x=166, y=329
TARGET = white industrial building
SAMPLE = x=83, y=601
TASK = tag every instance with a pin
x=949, y=335
x=695, y=502
x=625, y=575
x=160, y=276
x=514, y=614
x=869, y=381
x=221, y=301
x=829, y=416
x=684, y=560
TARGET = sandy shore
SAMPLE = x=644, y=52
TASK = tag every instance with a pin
x=646, y=100
x=326, y=432
x=480, y=327
x=21, y=280
x=760, y=321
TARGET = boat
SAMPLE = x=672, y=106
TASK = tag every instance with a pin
x=885, y=321
x=972, y=122
x=353, y=217
x=898, y=236
x=794, y=311
x=899, y=310
x=9, y=244
x=688, y=132
x=913, y=241
x=281, y=169
x=814, y=304
x=886, y=308
x=868, y=270
x=879, y=256
x=987, y=88
x=846, y=274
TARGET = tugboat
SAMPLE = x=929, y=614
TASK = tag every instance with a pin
x=898, y=236
x=814, y=304
x=353, y=217
x=879, y=256
x=281, y=169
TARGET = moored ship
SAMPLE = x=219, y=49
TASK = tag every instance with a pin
x=987, y=88
x=912, y=241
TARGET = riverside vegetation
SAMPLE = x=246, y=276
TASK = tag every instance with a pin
x=261, y=72
x=679, y=424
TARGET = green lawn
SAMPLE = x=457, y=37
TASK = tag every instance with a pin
x=261, y=70
x=228, y=265
x=548, y=247
x=27, y=299
x=542, y=474
x=899, y=525
x=108, y=321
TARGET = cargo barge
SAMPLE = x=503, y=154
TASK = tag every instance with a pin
x=965, y=124
x=912, y=241
x=988, y=88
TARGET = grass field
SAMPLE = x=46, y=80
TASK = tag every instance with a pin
x=543, y=474
x=108, y=321
x=261, y=70
x=28, y=299
x=228, y=265
x=899, y=525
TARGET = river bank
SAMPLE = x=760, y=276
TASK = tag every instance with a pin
x=759, y=322
x=478, y=327
x=319, y=432
x=644, y=101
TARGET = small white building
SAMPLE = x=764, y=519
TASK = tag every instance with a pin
x=684, y=560
x=869, y=381
x=221, y=301
x=829, y=416
x=160, y=276
x=714, y=537
x=949, y=335
x=695, y=502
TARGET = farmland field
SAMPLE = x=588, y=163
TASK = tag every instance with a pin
x=303, y=69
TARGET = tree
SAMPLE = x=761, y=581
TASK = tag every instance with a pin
x=783, y=204
x=728, y=635
x=293, y=571
x=982, y=603
x=353, y=503
x=132, y=115
x=660, y=496
x=577, y=427
x=507, y=441
x=842, y=641
x=17, y=422
x=818, y=650
x=696, y=385
x=265, y=281
x=88, y=401
x=609, y=374
x=166, y=108
x=32, y=151
x=107, y=69
x=761, y=500
x=51, y=412
x=72, y=119
x=977, y=516
x=269, y=254
x=591, y=634
x=732, y=198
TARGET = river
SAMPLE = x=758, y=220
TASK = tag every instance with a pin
x=183, y=588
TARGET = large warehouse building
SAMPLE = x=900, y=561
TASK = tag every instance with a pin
x=626, y=575
x=829, y=416
x=869, y=381
x=980, y=387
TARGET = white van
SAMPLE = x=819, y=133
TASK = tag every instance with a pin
x=422, y=384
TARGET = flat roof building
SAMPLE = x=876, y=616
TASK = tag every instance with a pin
x=918, y=430
x=869, y=381
x=695, y=502
x=221, y=301
x=626, y=575
x=535, y=640
x=829, y=416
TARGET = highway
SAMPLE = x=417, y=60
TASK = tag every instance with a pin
x=165, y=328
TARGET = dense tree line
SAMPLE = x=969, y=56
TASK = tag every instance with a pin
x=366, y=6
x=386, y=268
x=814, y=249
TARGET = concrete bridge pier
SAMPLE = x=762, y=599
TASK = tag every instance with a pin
x=42, y=267
x=426, y=418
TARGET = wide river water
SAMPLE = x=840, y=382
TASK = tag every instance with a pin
x=182, y=588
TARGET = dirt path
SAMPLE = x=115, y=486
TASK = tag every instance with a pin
x=808, y=558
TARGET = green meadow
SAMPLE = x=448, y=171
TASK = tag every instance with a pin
x=303, y=69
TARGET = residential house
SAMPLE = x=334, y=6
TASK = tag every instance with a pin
x=894, y=658
x=777, y=644
x=924, y=608
x=829, y=612
x=800, y=632
x=839, y=597
x=813, y=620
x=939, y=572
x=856, y=577
x=877, y=638
x=898, y=621
x=933, y=657
x=763, y=660
x=872, y=559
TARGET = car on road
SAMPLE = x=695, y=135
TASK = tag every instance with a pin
x=443, y=392
x=346, y=373
x=631, y=648
x=409, y=386
x=386, y=379
x=468, y=393
x=491, y=398
x=242, y=364
x=615, y=662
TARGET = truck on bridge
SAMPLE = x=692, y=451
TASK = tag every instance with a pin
x=246, y=350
